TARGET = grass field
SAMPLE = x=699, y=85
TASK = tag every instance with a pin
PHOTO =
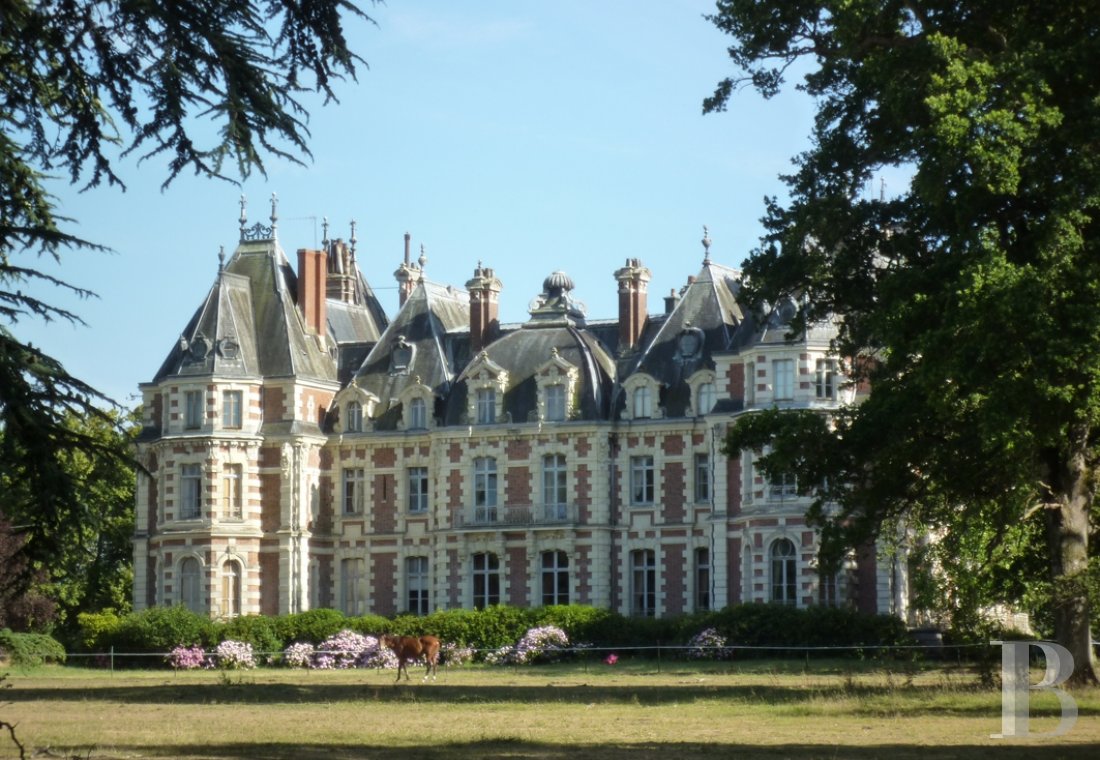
x=678, y=711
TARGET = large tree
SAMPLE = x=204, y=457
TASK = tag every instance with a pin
x=973, y=294
x=83, y=84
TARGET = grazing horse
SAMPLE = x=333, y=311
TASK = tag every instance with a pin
x=409, y=648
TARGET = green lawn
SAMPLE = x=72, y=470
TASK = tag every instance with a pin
x=633, y=709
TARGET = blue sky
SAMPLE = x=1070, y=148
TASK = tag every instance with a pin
x=531, y=136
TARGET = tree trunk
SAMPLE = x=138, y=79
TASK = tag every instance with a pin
x=1068, y=541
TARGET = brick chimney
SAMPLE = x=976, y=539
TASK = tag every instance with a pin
x=484, y=291
x=312, y=287
x=407, y=275
x=633, y=284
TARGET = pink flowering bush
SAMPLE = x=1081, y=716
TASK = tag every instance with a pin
x=234, y=655
x=611, y=659
x=348, y=649
x=544, y=644
x=455, y=654
x=708, y=644
x=188, y=658
x=298, y=655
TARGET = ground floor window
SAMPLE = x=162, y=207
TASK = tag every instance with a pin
x=416, y=583
x=486, y=580
x=643, y=583
x=784, y=581
x=555, y=578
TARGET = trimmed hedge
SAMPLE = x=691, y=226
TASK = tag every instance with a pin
x=160, y=629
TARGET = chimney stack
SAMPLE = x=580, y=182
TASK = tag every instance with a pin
x=407, y=275
x=633, y=284
x=312, y=289
x=484, y=291
x=671, y=300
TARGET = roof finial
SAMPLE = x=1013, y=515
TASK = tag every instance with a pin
x=221, y=258
x=706, y=245
x=353, y=240
x=423, y=257
x=244, y=216
x=324, y=233
x=274, y=213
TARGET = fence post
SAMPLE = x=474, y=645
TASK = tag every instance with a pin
x=112, y=659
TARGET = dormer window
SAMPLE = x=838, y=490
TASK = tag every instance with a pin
x=354, y=414
x=555, y=402
x=486, y=406
x=705, y=398
x=642, y=402
x=402, y=357
x=418, y=414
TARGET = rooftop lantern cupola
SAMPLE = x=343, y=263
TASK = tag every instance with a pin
x=555, y=303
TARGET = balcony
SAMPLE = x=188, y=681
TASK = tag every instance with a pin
x=518, y=516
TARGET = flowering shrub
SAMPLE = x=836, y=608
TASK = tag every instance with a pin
x=298, y=655
x=455, y=654
x=708, y=644
x=234, y=655
x=348, y=649
x=611, y=659
x=543, y=644
x=188, y=658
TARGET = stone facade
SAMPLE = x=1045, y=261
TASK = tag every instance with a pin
x=303, y=454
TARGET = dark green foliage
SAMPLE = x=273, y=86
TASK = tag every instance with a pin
x=259, y=631
x=31, y=648
x=313, y=626
x=582, y=623
x=160, y=629
x=98, y=630
x=375, y=625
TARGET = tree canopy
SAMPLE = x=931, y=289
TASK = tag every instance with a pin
x=971, y=295
x=84, y=84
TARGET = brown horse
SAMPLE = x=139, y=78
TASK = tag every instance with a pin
x=409, y=648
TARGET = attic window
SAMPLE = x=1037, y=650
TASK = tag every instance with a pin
x=198, y=348
x=402, y=357
x=691, y=342
x=228, y=348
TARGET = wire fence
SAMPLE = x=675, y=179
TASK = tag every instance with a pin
x=657, y=653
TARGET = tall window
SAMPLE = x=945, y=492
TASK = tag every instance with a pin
x=416, y=584
x=232, y=492
x=643, y=583
x=643, y=404
x=486, y=406
x=555, y=578
x=702, y=580
x=190, y=492
x=828, y=591
x=783, y=379
x=485, y=489
x=486, y=580
x=192, y=410
x=231, y=589
x=418, y=414
x=354, y=422
x=555, y=493
x=353, y=583
x=418, y=489
x=231, y=409
x=702, y=478
x=555, y=402
x=354, y=490
x=707, y=398
x=784, y=581
x=641, y=480
x=190, y=588
x=825, y=379
x=783, y=486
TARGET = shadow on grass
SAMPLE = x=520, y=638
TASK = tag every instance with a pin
x=865, y=699
x=511, y=749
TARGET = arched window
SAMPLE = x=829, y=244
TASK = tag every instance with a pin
x=784, y=572
x=354, y=422
x=231, y=589
x=418, y=414
x=190, y=588
x=643, y=404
